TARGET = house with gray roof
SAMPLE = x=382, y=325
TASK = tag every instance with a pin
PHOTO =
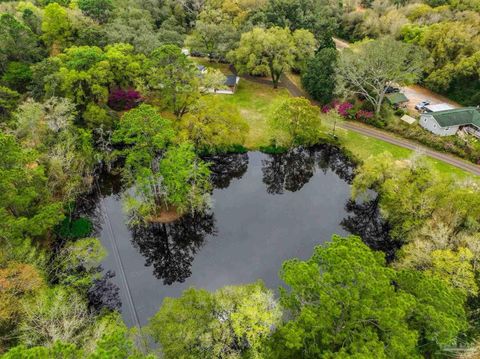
x=448, y=122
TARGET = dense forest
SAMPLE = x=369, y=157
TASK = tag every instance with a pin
x=93, y=86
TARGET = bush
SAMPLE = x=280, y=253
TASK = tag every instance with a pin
x=17, y=76
x=467, y=149
x=319, y=77
x=121, y=100
x=9, y=100
x=99, y=10
x=79, y=228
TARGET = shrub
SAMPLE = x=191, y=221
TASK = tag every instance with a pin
x=121, y=100
x=363, y=115
x=79, y=228
x=17, y=76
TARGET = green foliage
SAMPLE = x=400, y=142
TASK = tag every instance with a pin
x=214, y=35
x=438, y=315
x=9, y=99
x=97, y=9
x=65, y=150
x=437, y=218
x=97, y=117
x=319, y=76
x=111, y=339
x=272, y=51
x=56, y=27
x=57, y=350
x=342, y=302
x=185, y=179
x=355, y=75
x=17, y=76
x=145, y=134
x=315, y=16
x=20, y=281
x=214, y=126
x=77, y=263
x=296, y=123
x=175, y=77
x=85, y=74
x=78, y=228
x=17, y=42
x=233, y=322
x=26, y=206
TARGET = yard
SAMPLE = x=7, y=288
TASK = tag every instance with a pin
x=257, y=101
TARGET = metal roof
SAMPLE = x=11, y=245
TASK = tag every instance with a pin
x=231, y=80
x=396, y=98
x=457, y=117
x=438, y=107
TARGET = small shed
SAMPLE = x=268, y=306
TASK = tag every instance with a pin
x=231, y=82
x=408, y=119
x=397, y=99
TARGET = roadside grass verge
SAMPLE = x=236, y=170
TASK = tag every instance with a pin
x=256, y=102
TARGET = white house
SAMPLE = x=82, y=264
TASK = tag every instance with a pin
x=448, y=122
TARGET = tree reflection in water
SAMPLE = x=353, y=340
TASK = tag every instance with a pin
x=171, y=247
x=291, y=170
x=334, y=159
x=226, y=167
x=365, y=221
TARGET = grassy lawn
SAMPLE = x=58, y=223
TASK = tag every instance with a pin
x=256, y=102
x=363, y=147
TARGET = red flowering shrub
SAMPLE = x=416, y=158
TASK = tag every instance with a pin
x=121, y=100
x=344, y=109
x=363, y=115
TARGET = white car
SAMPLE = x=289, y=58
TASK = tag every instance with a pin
x=421, y=105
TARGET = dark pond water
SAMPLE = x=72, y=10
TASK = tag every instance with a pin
x=266, y=209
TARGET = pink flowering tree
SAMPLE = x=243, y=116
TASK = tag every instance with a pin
x=121, y=99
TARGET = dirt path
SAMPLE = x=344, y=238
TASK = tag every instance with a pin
x=376, y=133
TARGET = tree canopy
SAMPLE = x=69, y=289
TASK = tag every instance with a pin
x=272, y=51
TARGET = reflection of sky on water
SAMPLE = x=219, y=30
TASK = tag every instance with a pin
x=266, y=209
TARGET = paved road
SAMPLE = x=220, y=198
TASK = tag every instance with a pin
x=295, y=91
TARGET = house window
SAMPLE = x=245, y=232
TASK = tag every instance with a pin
x=434, y=126
x=447, y=128
x=424, y=119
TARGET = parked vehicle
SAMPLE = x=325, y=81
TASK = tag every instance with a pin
x=421, y=105
x=391, y=89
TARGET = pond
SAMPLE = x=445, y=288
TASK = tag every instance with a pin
x=266, y=209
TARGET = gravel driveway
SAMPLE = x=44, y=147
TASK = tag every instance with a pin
x=414, y=93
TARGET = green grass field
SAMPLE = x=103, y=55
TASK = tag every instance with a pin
x=256, y=102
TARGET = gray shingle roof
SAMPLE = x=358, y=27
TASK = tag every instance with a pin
x=231, y=80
